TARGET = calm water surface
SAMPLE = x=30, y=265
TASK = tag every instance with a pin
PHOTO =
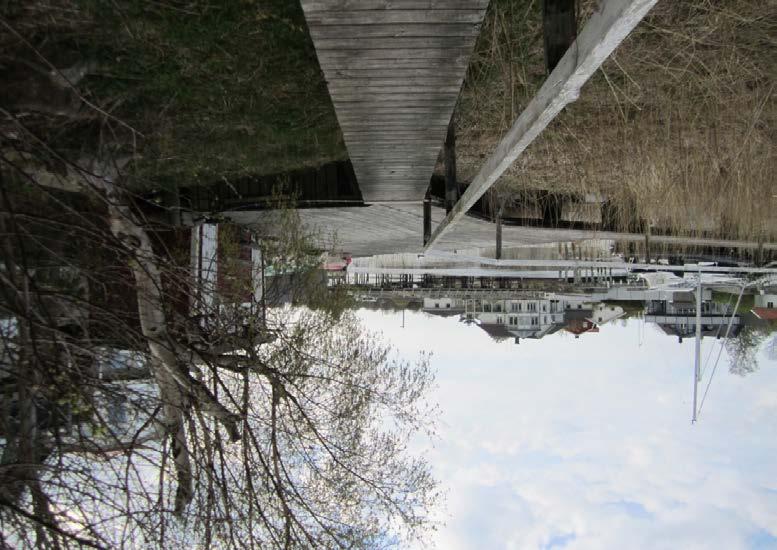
x=586, y=442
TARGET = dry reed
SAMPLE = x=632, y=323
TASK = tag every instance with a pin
x=678, y=128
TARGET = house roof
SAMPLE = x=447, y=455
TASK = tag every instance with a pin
x=578, y=314
x=444, y=312
x=496, y=331
x=579, y=326
x=690, y=331
x=765, y=313
x=536, y=333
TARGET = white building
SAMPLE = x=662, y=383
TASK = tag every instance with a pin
x=766, y=299
x=604, y=313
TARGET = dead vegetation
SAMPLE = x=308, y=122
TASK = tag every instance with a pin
x=194, y=91
x=677, y=129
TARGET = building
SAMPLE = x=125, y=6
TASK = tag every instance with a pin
x=765, y=305
x=677, y=317
x=226, y=267
x=528, y=316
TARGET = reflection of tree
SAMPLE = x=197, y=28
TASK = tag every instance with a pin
x=743, y=350
x=226, y=428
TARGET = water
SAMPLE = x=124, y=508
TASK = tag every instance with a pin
x=564, y=442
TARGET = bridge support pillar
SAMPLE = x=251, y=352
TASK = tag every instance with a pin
x=498, y=237
x=427, y=218
x=451, y=186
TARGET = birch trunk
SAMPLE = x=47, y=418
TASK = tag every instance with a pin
x=178, y=389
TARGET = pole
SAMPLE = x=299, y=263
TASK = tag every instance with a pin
x=603, y=32
x=499, y=235
x=451, y=186
x=427, y=218
x=697, y=362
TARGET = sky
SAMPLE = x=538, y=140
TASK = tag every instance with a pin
x=587, y=443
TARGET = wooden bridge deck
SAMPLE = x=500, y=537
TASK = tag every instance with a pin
x=390, y=229
x=394, y=69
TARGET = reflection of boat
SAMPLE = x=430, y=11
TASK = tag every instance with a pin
x=468, y=320
x=336, y=263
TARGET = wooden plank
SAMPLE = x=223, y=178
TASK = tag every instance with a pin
x=430, y=119
x=389, y=198
x=414, y=133
x=391, y=125
x=392, y=167
x=392, y=131
x=385, y=173
x=396, y=162
x=396, y=154
x=429, y=55
x=390, y=187
x=603, y=32
x=387, y=16
x=411, y=136
x=401, y=177
x=382, y=60
x=312, y=6
x=393, y=72
x=399, y=157
x=358, y=111
x=395, y=167
x=356, y=126
x=397, y=142
x=416, y=178
x=402, y=180
x=363, y=119
x=393, y=44
x=435, y=82
x=367, y=116
x=403, y=135
x=394, y=30
x=403, y=146
x=395, y=157
x=347, y=63
x=385, y=190
x=416, y=143
x=383, y=103
x=353, y=95
x=398, y=180
x=396, y=87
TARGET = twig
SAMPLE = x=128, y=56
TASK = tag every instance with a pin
x=64, y=79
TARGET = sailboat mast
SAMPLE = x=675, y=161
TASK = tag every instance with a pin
x=697, y=362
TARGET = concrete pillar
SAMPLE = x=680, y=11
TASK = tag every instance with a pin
x=427, y=218
x=451, y=186
x=498, y=237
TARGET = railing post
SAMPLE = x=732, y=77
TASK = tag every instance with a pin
x=427, y=218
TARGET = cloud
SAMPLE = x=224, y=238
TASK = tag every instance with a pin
x=586, y=443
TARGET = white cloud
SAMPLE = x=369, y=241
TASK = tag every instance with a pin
x=587, y=443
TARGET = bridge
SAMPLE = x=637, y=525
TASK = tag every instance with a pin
x=394, y=69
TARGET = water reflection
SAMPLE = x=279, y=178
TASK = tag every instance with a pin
x=567, y=442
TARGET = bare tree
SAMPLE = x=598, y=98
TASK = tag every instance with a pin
x=129, y=419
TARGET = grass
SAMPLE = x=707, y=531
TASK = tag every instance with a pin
x=217, y=89
x=745, y=305
x=677, y=128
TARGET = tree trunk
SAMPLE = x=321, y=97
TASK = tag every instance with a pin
x=177, y=387
x=451, y=187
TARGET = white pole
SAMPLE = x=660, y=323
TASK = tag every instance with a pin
x=697, y=363
x=603, y=32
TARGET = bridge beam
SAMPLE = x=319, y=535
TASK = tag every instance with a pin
x=604, y=31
